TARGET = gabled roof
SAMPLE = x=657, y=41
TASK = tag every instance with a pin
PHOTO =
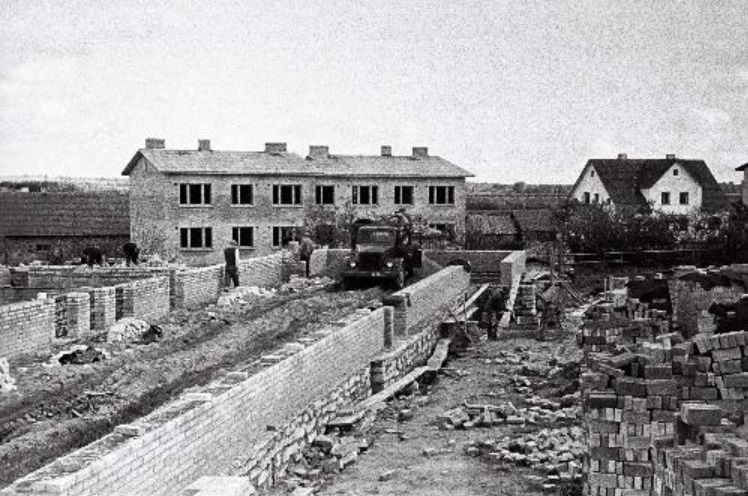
x=742, y=167
x=264, y=163
x=540, y=220
x=500, y=223
x=97, y=213
x=624, y=178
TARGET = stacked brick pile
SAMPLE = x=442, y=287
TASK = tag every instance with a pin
x=710, y=458
x=629, y=402
x=714, y=367
x=605, y=329
x=525, y=308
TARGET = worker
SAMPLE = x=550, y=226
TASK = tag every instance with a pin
x=92, y=255
x=306, y=248
x=231, y=255
x=132, y=252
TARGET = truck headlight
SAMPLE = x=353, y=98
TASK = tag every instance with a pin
x=352, y=264
x=389, y=265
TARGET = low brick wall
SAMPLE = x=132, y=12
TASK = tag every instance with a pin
x=416, y=303
x=26, y=327
x=194, y=287
x=225, y=426
x=149, y=298
x=74, y=276
x=512, y=267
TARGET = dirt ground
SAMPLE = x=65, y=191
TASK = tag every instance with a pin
x=413, y=455
x=57, y=409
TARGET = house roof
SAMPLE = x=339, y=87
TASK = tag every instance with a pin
x=499, y=223
x=540, y=220
x=264, y=163
x=624, y=178
x=742, y=167
x=65, y=214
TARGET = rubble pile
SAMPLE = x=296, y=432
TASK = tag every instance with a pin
x=244, y=295
x=127, y=330
x=7, y=383
x=557, y=453
x=79, y=355
x=327, y=455
x=297, y=284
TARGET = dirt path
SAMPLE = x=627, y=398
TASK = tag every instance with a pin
x=414, y=454
x=59, y=409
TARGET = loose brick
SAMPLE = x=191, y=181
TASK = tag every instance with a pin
x=700, y=414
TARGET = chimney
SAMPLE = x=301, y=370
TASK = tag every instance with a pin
x=670, y=156
x=622, y=156
x=275, y=147
x=203, y=145
x=420, y=151
x=386, y=151
x=153, y=143
x=319, y=151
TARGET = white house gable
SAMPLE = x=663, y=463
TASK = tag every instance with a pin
x=589, y=188
x=676, y=191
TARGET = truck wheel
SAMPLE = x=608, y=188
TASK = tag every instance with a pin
x=400, y=279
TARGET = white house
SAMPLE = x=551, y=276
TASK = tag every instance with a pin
x=744, y=169
x=669, y=185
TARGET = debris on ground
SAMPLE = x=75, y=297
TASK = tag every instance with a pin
x=557, y=453
x=297, y=284
x=127, y=330
x=244, y=295
x=7, y=383
x=79, y=355
x=326, y=456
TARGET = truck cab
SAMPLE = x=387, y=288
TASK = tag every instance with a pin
x=384, y=252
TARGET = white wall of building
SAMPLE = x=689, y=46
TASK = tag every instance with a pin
x=675, y=184
x=590, y=183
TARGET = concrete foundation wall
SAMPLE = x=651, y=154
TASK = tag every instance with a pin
x=26, y=327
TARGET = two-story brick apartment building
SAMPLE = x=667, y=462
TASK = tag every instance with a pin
x=193, y=202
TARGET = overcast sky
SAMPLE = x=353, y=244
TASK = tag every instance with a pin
x=510, y=90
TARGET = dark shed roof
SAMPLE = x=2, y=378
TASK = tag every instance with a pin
x=65, y=214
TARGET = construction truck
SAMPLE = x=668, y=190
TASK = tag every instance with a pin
x=385, y=250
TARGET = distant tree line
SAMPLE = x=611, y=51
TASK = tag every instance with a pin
x=600, y=229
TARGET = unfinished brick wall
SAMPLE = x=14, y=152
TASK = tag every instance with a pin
x=26, y=327
x=149, y=298
x=103, y=308
x=418, y=302
x=76, y=276
x=224, y=427
x=194, y=287
x=78, y=314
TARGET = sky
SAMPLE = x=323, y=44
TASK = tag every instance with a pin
x=511, y=90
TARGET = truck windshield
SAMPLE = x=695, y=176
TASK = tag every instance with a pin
x=368, y=237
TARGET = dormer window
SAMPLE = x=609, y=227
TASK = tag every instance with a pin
x=675, y=172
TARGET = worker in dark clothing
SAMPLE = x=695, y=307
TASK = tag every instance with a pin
x=132, y=252
x=231, y=255
x=306, y=248
x=92, y=255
